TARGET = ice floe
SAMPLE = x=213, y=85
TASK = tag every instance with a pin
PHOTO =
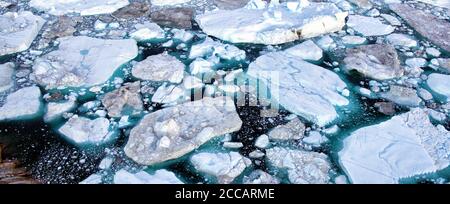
x=293, y=83
x=159, y=177
x=401, y=95
x=6, y=77
x=82, y=7
x=85, y=131
x=272, y=25
x=397, y=39
x=18, y=30
x=25, y=103
x=404, y=146
x=377, y=61
x=260, y=177
x=147, y=31
x=440, y=83
x=175, y=131
x=307, y=50
x=210, y=47
x=55, y=110
x=303, y=167
x=368, y=26
x=162, y=67
x=224, y=166
x=126, y=97
x=83, y=61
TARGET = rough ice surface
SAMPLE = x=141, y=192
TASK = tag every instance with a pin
x=440, y=3
x=126, y=97
x=224, y=166
x=293, y=130
x=404, y=146
x=402, y=96
x=85, y=131
x=25, y=103
x=82, y=7
x=210, y=47
x=168, y=94
x=175, y=131
x=162, y=67
x=273, y=25
x=440, y=84
x=147, y=31
x=368, y=26
x=297, y=87
x=377, y=61
x=260, y=177
x=55, y=110
x=428, y=25
x=161, y=176
x=6, y=76
x=168, y=2
x=83, y=61
x=303, y=167
x=18, y=30
x=401, y=40
x=307, y=50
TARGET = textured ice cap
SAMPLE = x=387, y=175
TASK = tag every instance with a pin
x=83, y=7
x=305, y=89
x=273, y=25
x=404, y=146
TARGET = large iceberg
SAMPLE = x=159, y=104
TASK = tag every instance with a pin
x=404, y=146
x=83, y=7
x=175, y=131
x=272, y=25
x=18, y=30
x=305, y=89
x=83, y=61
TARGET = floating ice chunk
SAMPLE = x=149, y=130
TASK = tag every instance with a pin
x=307, y=50
x=377, y=61
x=25, y=103
x=82, y=131
x=183, y=128
x=6, y=76
x=433, y=52
x=99, y=25
x=182, y=35
x=83, y=7
x=209, y=47
x=260, y=177
x=274, y=25
x=353, y=40
x=161, y=176
x=17, y=31
x=191, y=82
x=293, y=83
x=326, y=43
x=233, y=145
x=200, y=66
x=303, y=167
x=93, y=179
x=426, y=24
x=147, y=31
x=256, y=4
x=293, y=130
x=262, y=141
x=315, y=139
x=55, y=110
x=168, y=2
x=397, y=39
x=402, y=95
x=83, y=61
x=440, y=3
x=391, y=19
x=224, y=166
x=440, y=84
x=126, y=97
x=168, y=94
x=368, y=26
x=404, y=146
x=416, y=62
x=162, y=67
x=106, y=163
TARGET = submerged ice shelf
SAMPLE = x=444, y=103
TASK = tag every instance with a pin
x=224, y=91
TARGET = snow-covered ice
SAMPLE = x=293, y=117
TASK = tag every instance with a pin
x=406, y=145
x=224, y=166
x=18, y=30
x=175, y=131
x=85, y=131
x=6, y=76
x=368, y=26
x=25, y=103
x=83, y=61
x=272, y=25
x=440, y=83
x=307, y=50
x=82, y=7
x=161, y=176
x=162, y=67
